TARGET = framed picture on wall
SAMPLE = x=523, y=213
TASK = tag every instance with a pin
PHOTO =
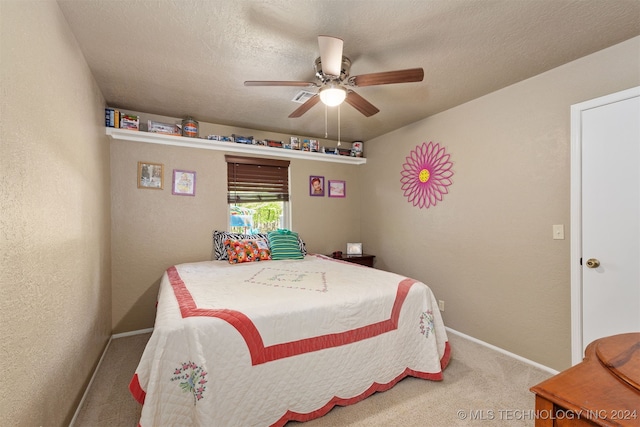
x=184, y=183
x=150, y=175
x=316, y=185
x=337, y=188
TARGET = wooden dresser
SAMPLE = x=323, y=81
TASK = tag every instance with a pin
x=603, y=390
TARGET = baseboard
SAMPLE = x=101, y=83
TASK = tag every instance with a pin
x=95, y=372
x=503, y=351
x=86, y=390
x=132, y=333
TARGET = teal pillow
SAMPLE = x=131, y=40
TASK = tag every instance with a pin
x=284, y=244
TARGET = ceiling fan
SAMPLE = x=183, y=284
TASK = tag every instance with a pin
x=334, y=83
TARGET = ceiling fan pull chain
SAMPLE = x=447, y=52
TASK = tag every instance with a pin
x=326, y=132
x=338, y=125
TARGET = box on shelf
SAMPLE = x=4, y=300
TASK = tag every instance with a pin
x=129, y=121
x=163, y=128
x=112, y=117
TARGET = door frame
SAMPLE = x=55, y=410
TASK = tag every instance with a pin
x=576, y=212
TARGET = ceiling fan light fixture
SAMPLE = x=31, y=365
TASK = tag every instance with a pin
x=332, y=95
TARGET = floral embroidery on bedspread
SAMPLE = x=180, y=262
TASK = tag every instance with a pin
x=290, y=279
x=426, y=323
x=192, y=379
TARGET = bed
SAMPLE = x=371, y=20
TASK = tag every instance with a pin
x=263, y=343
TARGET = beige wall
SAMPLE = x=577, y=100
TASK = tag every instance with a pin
x=487, y=248
x=54, y=218
x=153, y=229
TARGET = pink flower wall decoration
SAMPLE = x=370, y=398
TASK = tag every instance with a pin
x=426, y=174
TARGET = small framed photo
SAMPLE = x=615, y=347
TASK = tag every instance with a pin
x=150, y=175
x=184, y=183
x=316, y=185
x=354, y=248
x=337, y=188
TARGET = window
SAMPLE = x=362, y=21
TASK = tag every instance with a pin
x=257, y=194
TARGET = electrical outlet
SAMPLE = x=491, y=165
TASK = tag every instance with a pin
x=441, y=305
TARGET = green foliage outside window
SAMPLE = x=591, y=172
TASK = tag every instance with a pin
x=258, y=217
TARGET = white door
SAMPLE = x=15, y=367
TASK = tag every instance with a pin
x=608, y=133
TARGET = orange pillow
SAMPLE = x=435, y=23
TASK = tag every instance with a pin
x=247, y=250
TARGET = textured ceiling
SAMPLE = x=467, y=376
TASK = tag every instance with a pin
x=191, y=57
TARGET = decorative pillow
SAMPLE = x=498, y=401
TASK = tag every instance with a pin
x=302, y=246
x=219, y=237
x=239, y=251
x=264, y=251
x=285, y=244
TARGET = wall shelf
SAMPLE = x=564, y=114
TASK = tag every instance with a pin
x=234, y=147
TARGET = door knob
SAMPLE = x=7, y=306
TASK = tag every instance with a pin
x=593, y=263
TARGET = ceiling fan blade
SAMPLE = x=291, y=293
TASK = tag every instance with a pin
x=278, y=83
x=360, y=104
x=388, y=77
x=305, y=107
x=331, y=54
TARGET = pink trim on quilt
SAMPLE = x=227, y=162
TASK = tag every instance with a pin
x=375, y=387
x=136, y=390
x=261, y=354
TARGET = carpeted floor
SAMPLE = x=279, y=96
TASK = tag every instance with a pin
x=480, y=387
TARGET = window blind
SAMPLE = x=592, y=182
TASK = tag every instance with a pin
x=251, y=179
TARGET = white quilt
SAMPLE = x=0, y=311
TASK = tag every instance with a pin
x=262, y=343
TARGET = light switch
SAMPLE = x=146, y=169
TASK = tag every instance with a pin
x=558, y=232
